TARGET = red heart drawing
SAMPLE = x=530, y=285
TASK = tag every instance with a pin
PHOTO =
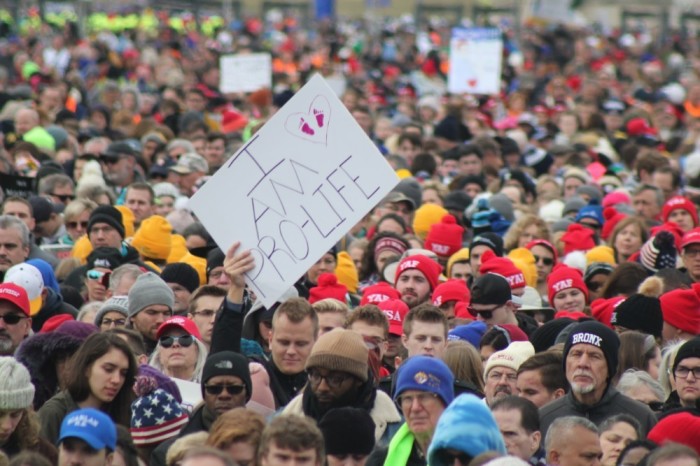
x=311, y=126
x=472, y=82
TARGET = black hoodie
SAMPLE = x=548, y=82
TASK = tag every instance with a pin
x=53, y=306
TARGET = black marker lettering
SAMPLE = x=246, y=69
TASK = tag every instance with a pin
x=356, y=178
x=287, y=230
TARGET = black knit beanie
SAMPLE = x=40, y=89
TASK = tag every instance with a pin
x=596, y=334
x=183, y=274
x=228, y=363
x=109, y=215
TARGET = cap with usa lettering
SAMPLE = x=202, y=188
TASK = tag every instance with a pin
x=594, y=333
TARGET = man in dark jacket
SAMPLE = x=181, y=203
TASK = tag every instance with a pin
x=294, y=330
x=226, y=385
x=590, y=362
x=105, y=230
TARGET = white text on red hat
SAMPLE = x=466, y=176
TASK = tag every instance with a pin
x=563, y=284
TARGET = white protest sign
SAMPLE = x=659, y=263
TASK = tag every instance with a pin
x=294, y=189
x=476, y=56
x=245, y=73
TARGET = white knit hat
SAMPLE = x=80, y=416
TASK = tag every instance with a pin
x=16, y=388
x=512, y=357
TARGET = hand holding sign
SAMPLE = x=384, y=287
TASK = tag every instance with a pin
x=235, y=267
x=293, y=190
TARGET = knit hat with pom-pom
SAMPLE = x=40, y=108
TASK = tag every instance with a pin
x=328, y=287
x=642, y=311
x=612, y=218
x=156, y=415
x=445, y=238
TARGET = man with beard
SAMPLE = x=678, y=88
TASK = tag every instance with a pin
x=590, y=363
x=119, y=167
x=339, y=377
x=501, y=371
x=15, y=322
x=416, y=278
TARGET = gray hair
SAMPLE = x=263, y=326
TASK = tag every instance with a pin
x=126, y=270
x=633, y=378
x=48, y=184
x=92, y=306
x=563, y=426
x=180, y=143
x=202, y=353
x=11, y=222
x=660, y=199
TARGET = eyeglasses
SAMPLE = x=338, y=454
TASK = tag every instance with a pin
x=185, y=341
x=691, y=252
x=545, y=260
x=95, y=274
x=206, y=313
x=63, y=197
x=334, y=380
x=406, y=401
x=496, y=376
x=116, y=322
x=448, y=457
x=12, y=319
x=74, y=225
x=484, y=313
x=683, y=372
x=216, y=390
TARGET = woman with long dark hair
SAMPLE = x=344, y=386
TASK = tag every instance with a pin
x=101, y=374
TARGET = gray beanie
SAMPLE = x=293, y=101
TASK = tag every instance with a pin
x=114, y=304
x=149, y=289
x=16, y=388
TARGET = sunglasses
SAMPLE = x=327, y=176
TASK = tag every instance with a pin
x=185, y=341
x=218, y=389
x=74, y=225
x=94, y=274
x=333, y=380
x=109, y=159
x=63, y=197
x=591, y=225
x=12, y=319
x=484, y=313
x=545, y=260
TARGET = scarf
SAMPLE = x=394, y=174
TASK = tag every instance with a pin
x=400, y=447
x=364, y=400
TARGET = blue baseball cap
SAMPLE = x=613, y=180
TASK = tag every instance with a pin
x=92, y=426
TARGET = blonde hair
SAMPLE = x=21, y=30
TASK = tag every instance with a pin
x=512, y=236
x=464, y=362
x=181, y=446
x=331, y=305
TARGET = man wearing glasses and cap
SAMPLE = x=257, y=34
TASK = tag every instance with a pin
x=119, y=166
x=339, y=377
x=15, y=322
x=493, y=304
x=226, y=384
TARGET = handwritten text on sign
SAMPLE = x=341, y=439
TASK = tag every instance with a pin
x=295, y=188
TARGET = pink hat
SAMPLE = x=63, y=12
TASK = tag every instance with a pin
x=616, y=197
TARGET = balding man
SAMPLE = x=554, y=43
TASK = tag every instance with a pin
x=25, y=120
x=573, y=441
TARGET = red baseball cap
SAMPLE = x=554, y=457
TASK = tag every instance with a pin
x=691, y=237
x=181, y=322
x=16, y=295
x=395, y=310
x=375, y=294
x=451, y=290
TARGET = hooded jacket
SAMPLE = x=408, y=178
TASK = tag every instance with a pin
x=53, y=306
x=39, y=354
x=466, y=425
x=612, y=402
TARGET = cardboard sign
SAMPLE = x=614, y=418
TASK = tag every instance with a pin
x=292, y=191
x=245, y=73
x=476, y=56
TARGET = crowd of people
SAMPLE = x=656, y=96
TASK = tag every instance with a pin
x=528, y=293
